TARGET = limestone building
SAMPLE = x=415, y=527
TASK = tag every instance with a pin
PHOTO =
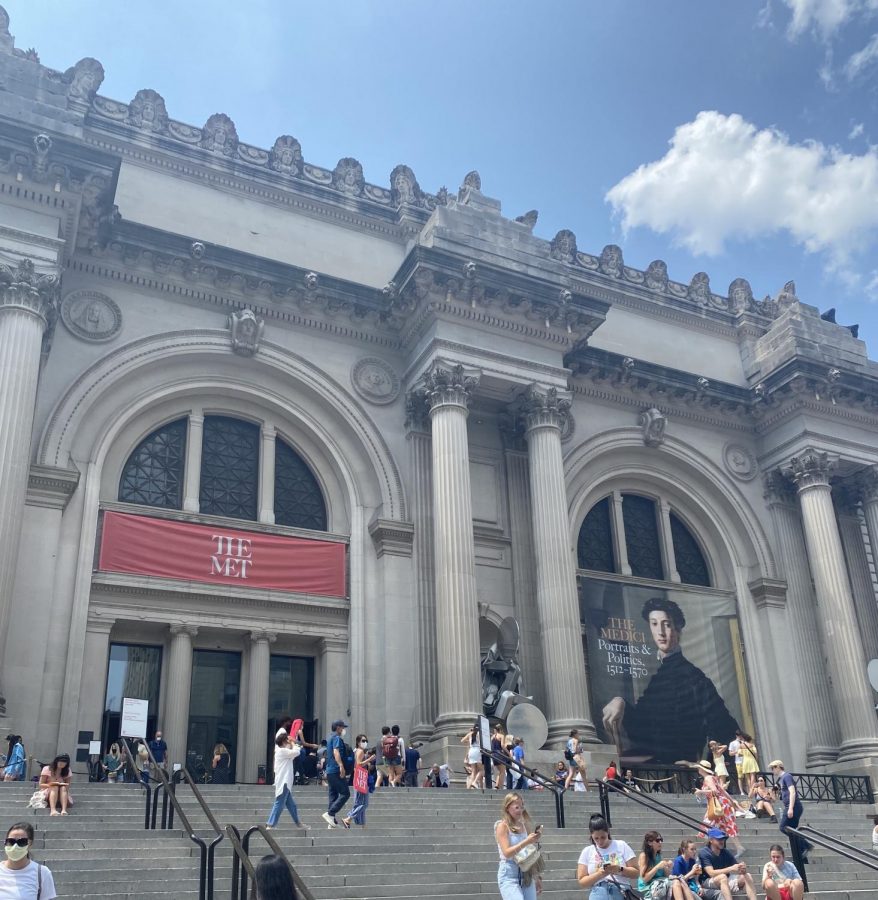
x=277, y=439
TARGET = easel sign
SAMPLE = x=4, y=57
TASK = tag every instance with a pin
x=134, y=714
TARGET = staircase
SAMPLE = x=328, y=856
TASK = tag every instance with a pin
x=421, y=843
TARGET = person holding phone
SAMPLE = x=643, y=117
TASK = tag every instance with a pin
x=655, y=881
x=513, y=833
x=606, y=866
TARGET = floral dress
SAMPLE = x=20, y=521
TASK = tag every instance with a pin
x=727, y=821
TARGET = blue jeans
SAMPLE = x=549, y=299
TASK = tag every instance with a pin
x=605, y=891
x=358, y=810
x=283, y=799
x=509, y=882
x=339, y=792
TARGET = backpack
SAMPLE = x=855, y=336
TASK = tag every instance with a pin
x=390, y=746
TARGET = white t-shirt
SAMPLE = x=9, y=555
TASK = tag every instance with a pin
x=616, y=852
x=21, y=884
x=737, y=751
x=284, y=771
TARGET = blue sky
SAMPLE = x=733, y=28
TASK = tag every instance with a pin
x=730, y=136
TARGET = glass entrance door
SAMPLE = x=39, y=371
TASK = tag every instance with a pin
x=213, y=713
x=290, y=693
x=134, y=671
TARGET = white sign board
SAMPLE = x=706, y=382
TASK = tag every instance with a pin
x=484, y=733
x=134, y=714
x=94, y=748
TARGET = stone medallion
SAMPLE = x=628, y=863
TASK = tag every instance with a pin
x=374, y=380
x=91, y=315
x=740, y=462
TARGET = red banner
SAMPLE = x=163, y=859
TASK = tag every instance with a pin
x=141, y=545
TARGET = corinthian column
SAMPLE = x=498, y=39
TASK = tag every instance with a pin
x=177, y=691
x=421, y=450
x=557, y=601
x=818, y=719
x=257, y=703
x=457, y=631
x=835, y=605
x=27, y=302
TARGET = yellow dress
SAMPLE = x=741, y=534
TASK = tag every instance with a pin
x=751, y=761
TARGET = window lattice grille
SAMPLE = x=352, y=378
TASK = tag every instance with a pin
x=691, y=564
x=153, y=474
x=595, y=546
x=229, y=468
x=298, y=500
x=642, y=537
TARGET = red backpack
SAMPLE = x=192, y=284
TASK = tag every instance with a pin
x=390, y=746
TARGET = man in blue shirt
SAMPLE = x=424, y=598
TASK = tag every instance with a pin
x=518, y=760
x=159, y=750
x=721, y=871
x=792, y=808
x=336, y=773
x=412, y=764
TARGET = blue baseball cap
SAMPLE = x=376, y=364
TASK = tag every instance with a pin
x=717, y=834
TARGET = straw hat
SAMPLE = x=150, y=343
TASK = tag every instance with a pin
x=704, y=764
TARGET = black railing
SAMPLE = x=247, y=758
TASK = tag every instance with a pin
x=242, y=865
x=829, y=788
x=605, y=788
x=828, y=842
x=166, y=788
x=526, y=772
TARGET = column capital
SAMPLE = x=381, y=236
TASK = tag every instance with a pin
x=812, y=468
x=544, y=407
x=417, y=412
x=268, y=637
x=333, y=644
x=867, y=482
x=777, y=488
x=178, y=629
x=450, y=385
x=196, y=419
x=268, y=432
x=99, y=624
x=22, y=287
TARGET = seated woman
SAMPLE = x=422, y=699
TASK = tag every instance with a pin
x=15, y=759
x=55, y=781
x=761, y=800
x=778, y=873
x=654, y=880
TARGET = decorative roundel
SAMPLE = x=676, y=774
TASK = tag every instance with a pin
x=740, y=462
x=91, y=315
x=374, y=380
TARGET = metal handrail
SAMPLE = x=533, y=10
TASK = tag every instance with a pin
x=206, y=856
x=242, y=865
x=828, y=842
x=647, y=800
x=557, y=789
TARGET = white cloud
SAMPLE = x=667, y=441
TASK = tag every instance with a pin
x=862, y=59
x=723, y=179
x=857, y=131
x=827, y=16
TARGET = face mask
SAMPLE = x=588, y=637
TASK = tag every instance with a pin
x=344, y=731
x=16, y=853
x=364, y=744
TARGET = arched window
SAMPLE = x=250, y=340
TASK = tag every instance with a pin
x=595, y=546
x=153, y=473
x=229, y=468
x=641, y=542
x=298, y=500
x=691, y=564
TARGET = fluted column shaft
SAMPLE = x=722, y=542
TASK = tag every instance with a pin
x=457, y=633
x=557, y=600
x=847, y=665
x=259, y=672
x=852, y=541
x=421, y=451
x=869, y=496
x=192, y=480
x=177, y=691
x=821, y=726
x=26, y=300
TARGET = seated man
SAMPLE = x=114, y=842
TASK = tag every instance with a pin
x=721, y=871
x=781, y=879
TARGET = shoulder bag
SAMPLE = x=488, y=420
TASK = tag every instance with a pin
x=628, y=893
x=714, y=809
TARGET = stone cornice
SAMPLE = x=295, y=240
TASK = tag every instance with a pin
x=769, y=593
x=50, y=486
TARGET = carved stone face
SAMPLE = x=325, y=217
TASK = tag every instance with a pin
x=403, y=187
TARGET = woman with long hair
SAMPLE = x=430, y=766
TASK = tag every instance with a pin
x=718, y=755
x=750, y=763
x=274, y=880
x=654, y=880
x=221, y=765
x=286, y=750
x=513, y=832
x=55, y=781
x=761, y=800
x=605, y=865
x=500, y=757
x=357, y=815
x=112, y=763
x=15, y=759
x=476, y=776
x=722, y=806
x=22, y=878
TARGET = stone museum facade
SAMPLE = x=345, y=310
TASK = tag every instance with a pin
x=277, y=439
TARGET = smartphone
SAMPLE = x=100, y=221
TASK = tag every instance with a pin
x=538, y=829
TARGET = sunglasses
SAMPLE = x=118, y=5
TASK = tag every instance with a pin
x=658, y=840
x=17, y=842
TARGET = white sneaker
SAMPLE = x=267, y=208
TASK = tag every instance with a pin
x=749, y=815
x=739, y=813
x=304, y=827
x=329, y=820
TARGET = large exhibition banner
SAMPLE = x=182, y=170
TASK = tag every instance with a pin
x=142, y=545
x=665, y=667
